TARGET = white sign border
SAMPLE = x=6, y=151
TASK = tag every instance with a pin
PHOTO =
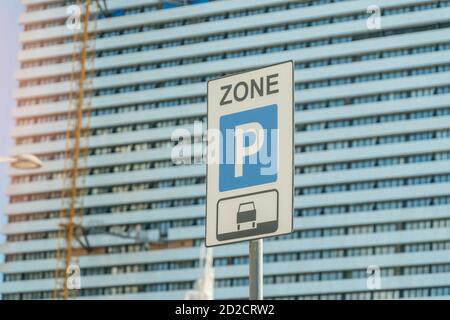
x=293, y=153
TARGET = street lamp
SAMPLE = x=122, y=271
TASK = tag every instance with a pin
x=23, y=161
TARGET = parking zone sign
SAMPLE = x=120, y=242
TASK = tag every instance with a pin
x=250, y=155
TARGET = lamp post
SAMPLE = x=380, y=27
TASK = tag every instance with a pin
x=23, y=161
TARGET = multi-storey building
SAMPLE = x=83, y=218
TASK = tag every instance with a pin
x=372, y=143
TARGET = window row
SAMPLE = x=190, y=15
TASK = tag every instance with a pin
x=374, y=206
x=112, y=129
x=162, y=226
x=386, y=118
x=94, y=171
x=373, y=141
x=124, y=188
x=87, y=292
x=67, y=3
x=334, y=275
x=374, y=98
x=364, y=295
x=98, y=113
x=116, y=249
x=370, y=77
x=193, y=181
x=372, y=163
x=376, y=295
x=373, y=184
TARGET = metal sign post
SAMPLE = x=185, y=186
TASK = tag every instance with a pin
x=250, y=161
x=256, y=270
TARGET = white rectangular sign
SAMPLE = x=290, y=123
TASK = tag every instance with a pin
x=250, y=155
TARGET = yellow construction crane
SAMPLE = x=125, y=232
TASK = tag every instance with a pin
x=77, y=133
x=71, y=229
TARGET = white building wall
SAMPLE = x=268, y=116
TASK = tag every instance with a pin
x=357, y=203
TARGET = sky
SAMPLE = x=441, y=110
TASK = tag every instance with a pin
x=9, y=32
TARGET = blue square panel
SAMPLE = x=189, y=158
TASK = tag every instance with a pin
x=249, y=147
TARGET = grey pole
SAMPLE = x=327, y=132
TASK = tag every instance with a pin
x=256, y=269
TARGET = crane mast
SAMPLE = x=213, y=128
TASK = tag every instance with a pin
x=76, y=149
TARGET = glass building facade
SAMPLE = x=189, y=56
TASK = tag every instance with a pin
x=372, y=147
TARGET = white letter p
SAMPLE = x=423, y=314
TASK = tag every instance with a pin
x=243, y=151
